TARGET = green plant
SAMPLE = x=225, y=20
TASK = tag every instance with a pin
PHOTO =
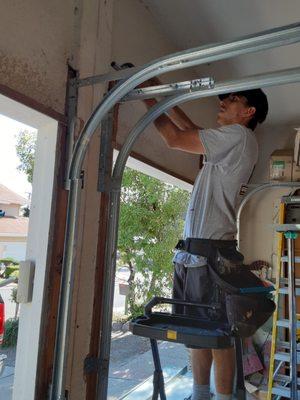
x=11, y=332
x=11, y=271
x=151, y=222
x=25, y=147
x=120, y=318
x=8, y=261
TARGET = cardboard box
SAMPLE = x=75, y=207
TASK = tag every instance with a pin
x=281, y=163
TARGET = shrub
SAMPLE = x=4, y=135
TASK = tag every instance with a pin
x=8, y=261
x=11, y=332
x=11, y=271
x=120, y=318
x=151, y=221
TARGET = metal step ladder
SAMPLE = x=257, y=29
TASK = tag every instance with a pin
x=285, y=355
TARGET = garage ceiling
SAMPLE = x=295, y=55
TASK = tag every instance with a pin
x=192, y=23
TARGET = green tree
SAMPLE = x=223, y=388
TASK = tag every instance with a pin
x=25, y=148
x=151, y=221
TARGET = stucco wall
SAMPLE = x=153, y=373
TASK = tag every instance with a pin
x=36, y=40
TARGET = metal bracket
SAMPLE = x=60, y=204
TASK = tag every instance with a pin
x=115, y=185
x=72, y=98
x=170, y=89
x=111, y=76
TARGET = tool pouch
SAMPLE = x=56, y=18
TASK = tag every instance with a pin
x=247, y=299
x=227, y=259
x=246, y=313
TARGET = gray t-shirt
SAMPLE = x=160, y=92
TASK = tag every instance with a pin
x=230, y=155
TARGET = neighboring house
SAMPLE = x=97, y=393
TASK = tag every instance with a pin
x=13, y=228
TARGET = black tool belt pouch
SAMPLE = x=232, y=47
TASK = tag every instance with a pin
x=245, y=312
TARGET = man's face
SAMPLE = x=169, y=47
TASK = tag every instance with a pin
x=234, y=110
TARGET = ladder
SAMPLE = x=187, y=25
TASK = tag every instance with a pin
x=285, y=352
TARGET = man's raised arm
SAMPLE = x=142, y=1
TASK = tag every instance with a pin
x=176, y=128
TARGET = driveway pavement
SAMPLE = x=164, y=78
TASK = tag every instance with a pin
x=131, y=364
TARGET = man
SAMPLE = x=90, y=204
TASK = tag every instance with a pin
x=230, y=153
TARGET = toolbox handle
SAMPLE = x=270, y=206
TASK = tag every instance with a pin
x=164, y=300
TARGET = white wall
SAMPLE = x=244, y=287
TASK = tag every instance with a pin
x=258, y=236
x=10, y=210
x=39, y=223
x=270, y=138
x=15, y=250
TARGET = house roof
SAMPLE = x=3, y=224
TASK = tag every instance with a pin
x=7, y=196
x=14, y=226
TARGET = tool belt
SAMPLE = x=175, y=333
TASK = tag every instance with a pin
x=222, y=252
x=247, y=299
x=203, y=247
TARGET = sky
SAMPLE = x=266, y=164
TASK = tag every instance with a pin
x=9, y=175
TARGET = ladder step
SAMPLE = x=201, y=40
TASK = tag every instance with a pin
x=285, y=345
x=285, y=259
x=284, y=378
x=284, y=323
x=285, y=281
x=283, y=391
x=286, y=291
x=285, y=357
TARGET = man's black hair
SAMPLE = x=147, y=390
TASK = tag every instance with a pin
x=255, y=98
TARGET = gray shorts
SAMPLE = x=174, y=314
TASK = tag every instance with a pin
x=194, y=284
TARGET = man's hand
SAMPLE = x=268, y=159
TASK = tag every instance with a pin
x=175, y=127
x=176, y=114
